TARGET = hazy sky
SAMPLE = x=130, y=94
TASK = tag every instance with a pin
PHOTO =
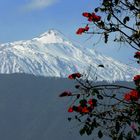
x=25, y=19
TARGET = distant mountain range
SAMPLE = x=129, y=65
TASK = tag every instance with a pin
x=53, y=55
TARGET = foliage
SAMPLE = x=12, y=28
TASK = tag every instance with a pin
x=106, y=108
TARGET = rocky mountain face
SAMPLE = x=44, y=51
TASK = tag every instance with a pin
x=53, y=55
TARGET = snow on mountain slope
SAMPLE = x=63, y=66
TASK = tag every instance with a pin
x=52, y=54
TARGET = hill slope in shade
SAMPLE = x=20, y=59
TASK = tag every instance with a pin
x=52, y=54
x=30, y=109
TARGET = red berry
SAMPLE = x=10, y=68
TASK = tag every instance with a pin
x=70, y=109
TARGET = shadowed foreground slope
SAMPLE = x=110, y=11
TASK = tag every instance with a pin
x=30, y=109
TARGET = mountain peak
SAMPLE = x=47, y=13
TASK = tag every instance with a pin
x=51, y=36
x=51, y=32
x=53, y=54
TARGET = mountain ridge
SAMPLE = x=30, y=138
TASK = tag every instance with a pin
x=52, y=54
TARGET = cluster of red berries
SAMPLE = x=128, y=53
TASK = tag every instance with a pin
x=74, y=76
x=136, y=80
x=92, y=17
x=84, y=106
x=82, y=30
x=137, y=55
x=132, y=95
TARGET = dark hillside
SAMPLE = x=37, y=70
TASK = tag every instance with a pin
x=30, y=109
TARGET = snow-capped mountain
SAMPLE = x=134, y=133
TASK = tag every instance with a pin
x=52, y=54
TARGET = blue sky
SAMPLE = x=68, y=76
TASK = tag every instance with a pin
x=25, y=19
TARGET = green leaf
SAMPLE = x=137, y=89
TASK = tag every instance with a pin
x=95, y=91
x=69, y=119
x=102, y=9
x=139, y=121
x=106, y=37
x=106, y=3
x=100, y=134
x=88, y=131
x=138, y=23
x=100, y=97
x=117, y=126
x=96, y=9
x=104, y=122
x=138, y=61
x=79, y=120
x=94, y=123
x=132, y=7
x=138, y=132
x=128, y=122
x=113, y=96
x=109, y=17
x=120, y=136
x=116, y=2
x=82, y=131
x=126, y=19
x=129, y=135
x=88, y=119
x=78, y=96
x=101, y=24
x=101, y=65
x=83, y=102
